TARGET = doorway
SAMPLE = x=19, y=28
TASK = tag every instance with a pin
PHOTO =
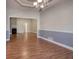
x=22, y=25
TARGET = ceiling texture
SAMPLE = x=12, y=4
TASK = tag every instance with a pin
x=29, y=3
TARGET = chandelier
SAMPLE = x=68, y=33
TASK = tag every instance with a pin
x=40, y=3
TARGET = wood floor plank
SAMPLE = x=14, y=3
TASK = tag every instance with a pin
x=27, y=46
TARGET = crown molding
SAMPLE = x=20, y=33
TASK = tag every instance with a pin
x=23, y=4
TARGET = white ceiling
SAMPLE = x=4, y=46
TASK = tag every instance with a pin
x=26, y=3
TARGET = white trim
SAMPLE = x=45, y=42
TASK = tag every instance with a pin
x=7, y=39
x=57, y=43
x=23, y=4
x=57, y=30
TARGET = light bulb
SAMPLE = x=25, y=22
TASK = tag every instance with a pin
x=35, y=3
x=39, y=1
x=42, y=6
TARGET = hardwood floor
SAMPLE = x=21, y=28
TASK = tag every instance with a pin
x=27, y=46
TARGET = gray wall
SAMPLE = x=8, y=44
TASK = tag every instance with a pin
x=61, y=37
x=56, y=22
x=59, y=17
x=7, y=35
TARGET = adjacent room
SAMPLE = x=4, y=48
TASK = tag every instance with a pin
x=22, y=26
x=39, y=29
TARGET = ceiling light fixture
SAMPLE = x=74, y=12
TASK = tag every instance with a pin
x=39, y=1
x=35, y=3
x=40, y=4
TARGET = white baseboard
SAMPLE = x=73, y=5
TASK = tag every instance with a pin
x=7, y=39
x=57, y=43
